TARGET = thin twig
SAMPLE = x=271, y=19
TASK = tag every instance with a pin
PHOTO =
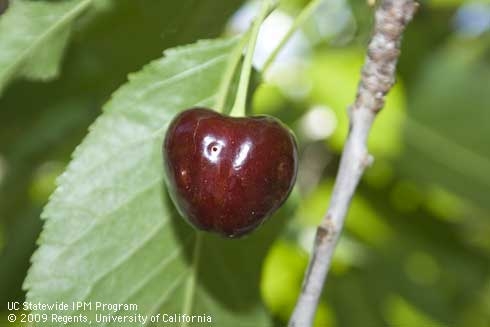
x=377, y=78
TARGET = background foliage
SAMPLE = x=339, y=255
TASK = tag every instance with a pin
x=415, y=251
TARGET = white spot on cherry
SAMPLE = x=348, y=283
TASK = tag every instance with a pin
x=212, y=148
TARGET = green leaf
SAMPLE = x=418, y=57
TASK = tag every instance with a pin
x=33, y=35
x=447, y=134
x=111, y=233
x=43, y=122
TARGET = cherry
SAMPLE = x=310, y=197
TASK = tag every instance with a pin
x=227, y=175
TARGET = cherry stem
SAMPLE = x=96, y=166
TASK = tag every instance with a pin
x=233, y=63
x=303, y=16
x=238, y=109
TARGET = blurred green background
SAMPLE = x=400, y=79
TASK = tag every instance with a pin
x=416, y=247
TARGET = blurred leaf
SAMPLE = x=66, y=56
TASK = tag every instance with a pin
x=448, y=3
x=312, y=208
x=44, y=181
x=268, y=99
x=33, y=35
x=362, y=220
x=428, y=31
x=447, y=134
x=445, y=205
x=335, y=74
x=380, y=174
x=476, y=312
x=284, y=265
x=111, y=234
x=349, y=253
x=422, y=268
x=368, y=224
x=401, y=313
x=325, y=316
x=14, y=257
x=406, y=196
x=475, y=228
x=428, y=256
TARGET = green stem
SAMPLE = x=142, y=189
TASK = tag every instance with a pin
x=238, y=109
x=298, y=22
x=235, y=58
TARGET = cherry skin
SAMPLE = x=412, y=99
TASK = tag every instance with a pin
x=227, y=175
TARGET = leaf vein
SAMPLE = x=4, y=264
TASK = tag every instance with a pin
x=165, y=263
x=100, y=219
x=183, y=74
x=10, y=69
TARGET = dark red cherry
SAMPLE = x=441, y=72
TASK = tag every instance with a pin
x=227, y=175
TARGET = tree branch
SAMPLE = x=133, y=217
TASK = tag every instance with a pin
x=377, y=78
